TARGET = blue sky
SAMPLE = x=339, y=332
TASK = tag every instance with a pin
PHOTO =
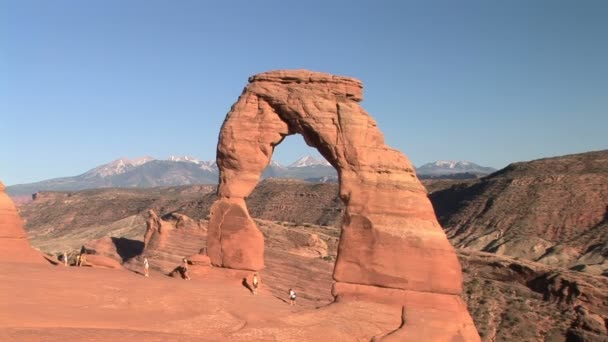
x=493, y=82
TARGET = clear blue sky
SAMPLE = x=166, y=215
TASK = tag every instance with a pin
x=493, y=82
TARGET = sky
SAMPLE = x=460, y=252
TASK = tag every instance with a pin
x=493, y=82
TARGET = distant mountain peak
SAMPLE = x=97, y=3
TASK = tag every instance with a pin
x=451, y=163
x=116, y=167
x=274, y=163
x=309, y=161
x=189, y=159
x=141, y=160
x=447, y=167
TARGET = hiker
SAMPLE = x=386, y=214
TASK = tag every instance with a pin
x=78, y=260
x=65, y=259
x=292, y=297
x=499, y=234
x=83, y=259
x=185, y=270
x=146, y=267
x=255, y=283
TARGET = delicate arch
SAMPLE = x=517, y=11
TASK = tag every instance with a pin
x=391, y=247
x=390, y=236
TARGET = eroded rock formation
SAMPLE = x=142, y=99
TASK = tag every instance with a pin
x=391, y=240
x=14, y=246
x=168, y=240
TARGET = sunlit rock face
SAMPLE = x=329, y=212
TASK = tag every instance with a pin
x=391, y=240
x=14, y=246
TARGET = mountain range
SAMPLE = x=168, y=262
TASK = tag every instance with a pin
x=452, y=169
x=147, y=172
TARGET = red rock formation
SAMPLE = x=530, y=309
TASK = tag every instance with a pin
x=199, y=260
x=153, y=226
x=390, y=238
x=169, y=240
x=14, y=246
x=94, y=260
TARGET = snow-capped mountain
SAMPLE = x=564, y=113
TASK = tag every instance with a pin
x=175, y=170
x=276, y=164
x=184, y=170
x=210, y=166
x=309, y=161
x=184, y=159
x=450, y=164
x=117, y=167
x=449, y=167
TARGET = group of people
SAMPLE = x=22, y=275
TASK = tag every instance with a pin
x=81, y=259
x=183, y=271
x=255, y=282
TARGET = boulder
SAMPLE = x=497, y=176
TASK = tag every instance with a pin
x=96, y=260
x=199, y=260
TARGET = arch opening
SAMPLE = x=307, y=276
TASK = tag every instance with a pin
x=300, y=239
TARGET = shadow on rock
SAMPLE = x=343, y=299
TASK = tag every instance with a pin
x=128, y=248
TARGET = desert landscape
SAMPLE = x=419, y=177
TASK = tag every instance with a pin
x=370, y=171
x=422, y=294
x=367, y=257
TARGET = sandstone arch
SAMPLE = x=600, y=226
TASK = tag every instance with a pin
x=390, y=237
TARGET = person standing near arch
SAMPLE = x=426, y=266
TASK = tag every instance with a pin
x=146, y=267
x=292, y=297
x=255, y=283
x=184, y=270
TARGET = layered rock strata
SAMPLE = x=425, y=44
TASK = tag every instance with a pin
x=170, y=239
x=390, y=237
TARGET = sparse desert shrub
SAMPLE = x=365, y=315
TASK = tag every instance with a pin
x=328, y=258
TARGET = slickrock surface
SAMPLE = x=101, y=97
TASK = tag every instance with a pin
x=96, y=304
x=390, y=236
x=505, y=296
x=14, y=246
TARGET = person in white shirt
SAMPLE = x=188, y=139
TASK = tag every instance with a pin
x=255, y=282
x=146, y=267
x=292, y=297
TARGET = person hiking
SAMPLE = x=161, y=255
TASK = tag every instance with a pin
x=184, y=272
x=292, y=297
x=65, y=259
x=255, y=283
x=83, y=259
x=146, y=267
x=78, y=260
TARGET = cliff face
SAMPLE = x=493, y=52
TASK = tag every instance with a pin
x=551, y=210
